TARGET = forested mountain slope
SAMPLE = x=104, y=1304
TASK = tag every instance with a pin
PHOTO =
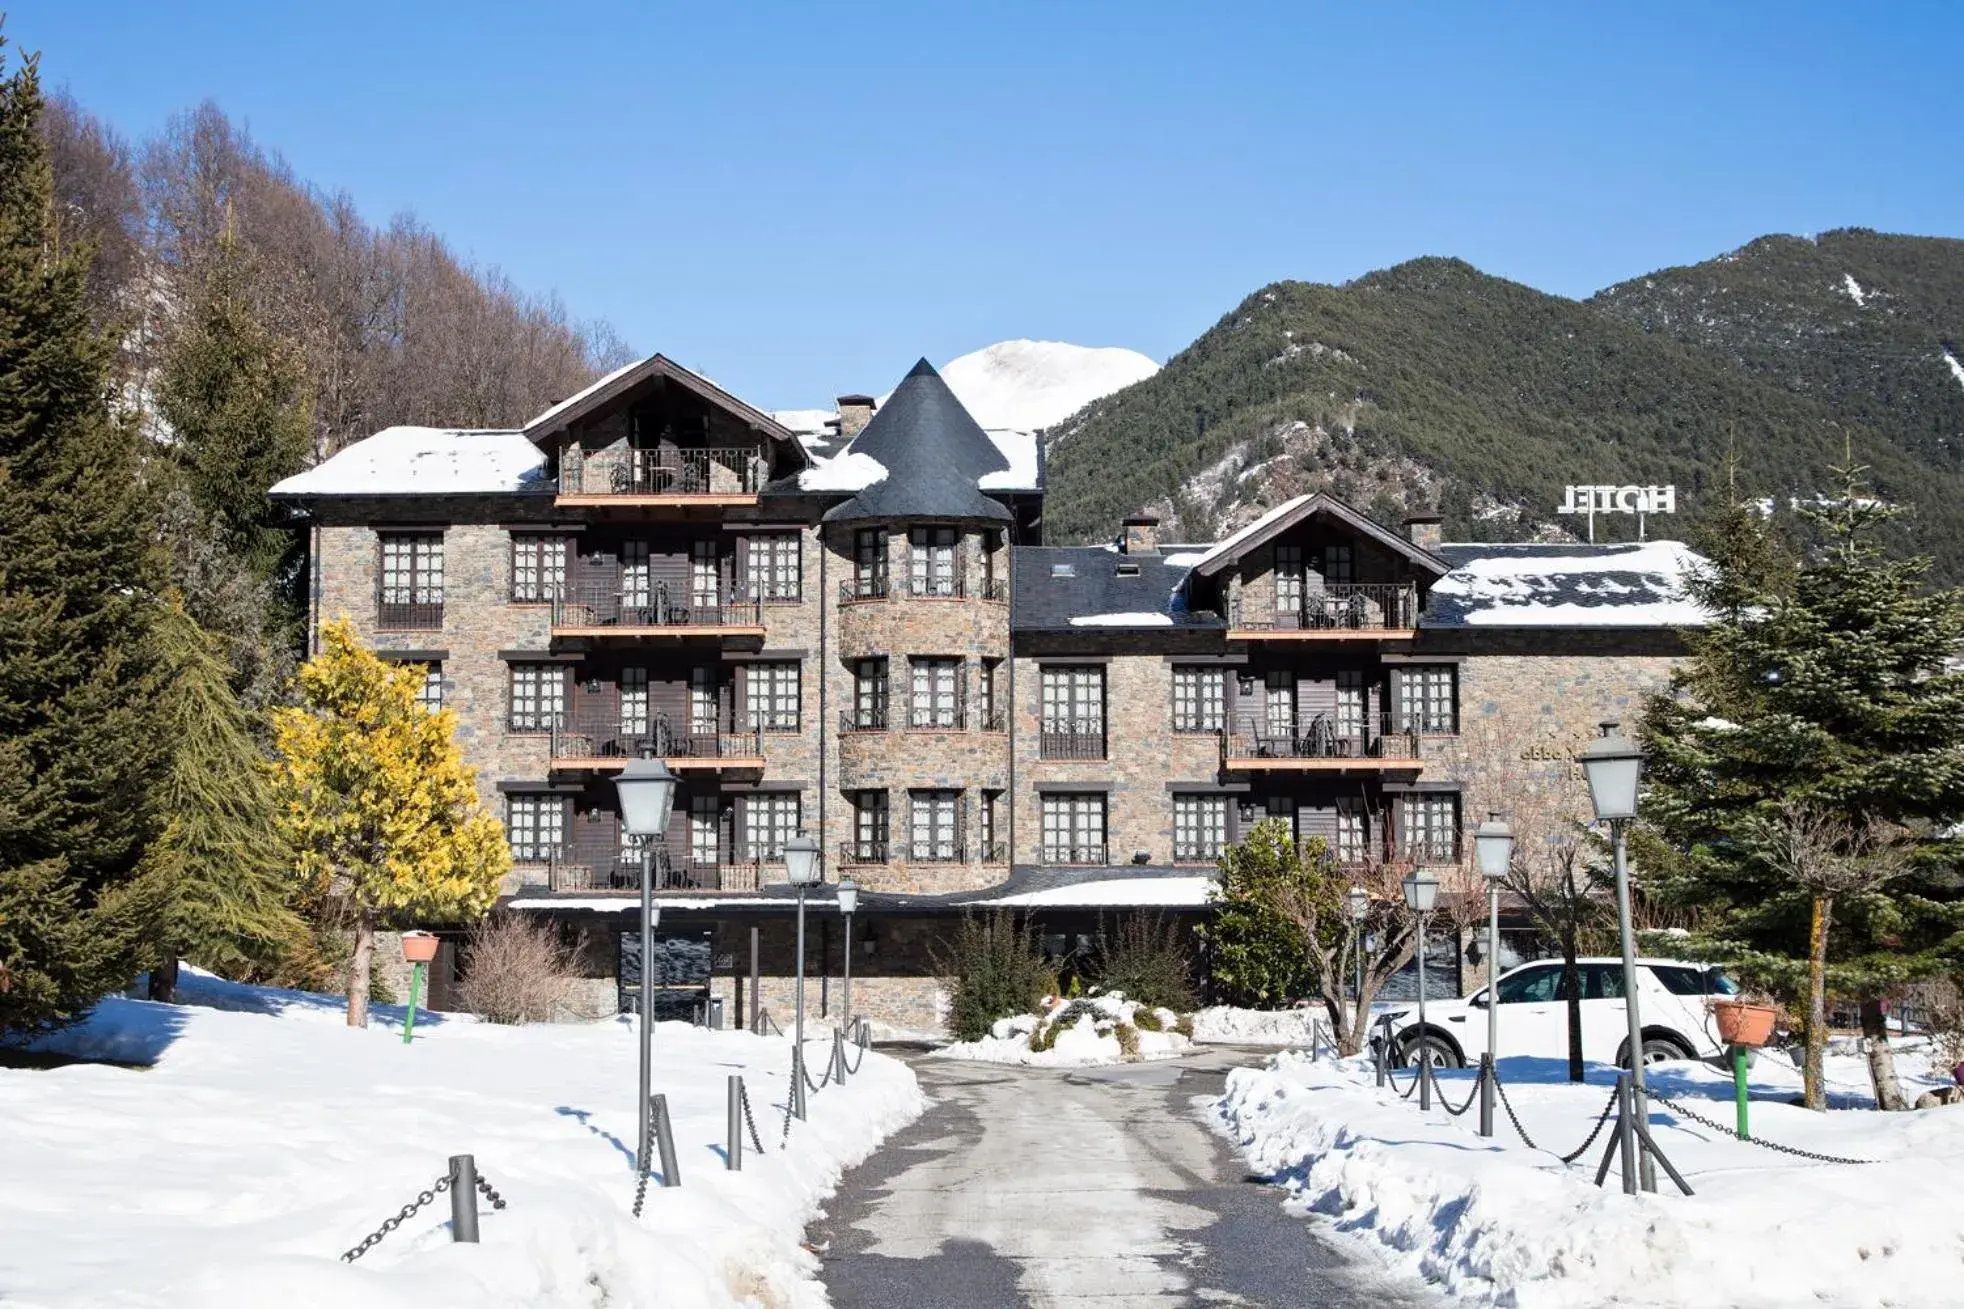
x=1433, y=385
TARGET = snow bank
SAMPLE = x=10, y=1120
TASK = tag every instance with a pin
x=269, y=1138
x=1230, y=1026
x=1078, y=1034
x=849, y=470
x=1495, y=1222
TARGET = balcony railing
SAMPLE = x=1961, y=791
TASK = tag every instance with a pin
x=862, y=852
x=995, y=852
x=1069, y=742
x=1197, y=852
x=937, y=852
x=612, y=739
x=995, y=588
x=950, y=586
x=858, y=589
x=649, y=608
x=707, y=472
x=995, y=718
x=573, y=870
x=855, y=721
x=408, y=615
x=1073, y=854
x=1321, y=736
x=1337, y=607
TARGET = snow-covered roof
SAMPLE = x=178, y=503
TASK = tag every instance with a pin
x=551, y=412
x=1025, y=471
x=849, y=470
x=1290, y=512
x=1624, y=585
x=1164, y=892
x=1065, y=587
x=625, y=379
x=427, y=461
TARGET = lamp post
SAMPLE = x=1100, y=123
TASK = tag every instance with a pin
x=1493, y=849
x=1612, y=765
x=646, y=790
x=848, y=901
x=1421, y=894
x=1357, y=901
x=801, y=866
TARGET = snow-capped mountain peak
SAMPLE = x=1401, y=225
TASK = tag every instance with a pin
x=1029, y=385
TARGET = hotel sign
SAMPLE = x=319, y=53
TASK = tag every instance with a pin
x=1638, y=500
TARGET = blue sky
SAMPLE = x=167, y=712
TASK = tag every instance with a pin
x=801, y=199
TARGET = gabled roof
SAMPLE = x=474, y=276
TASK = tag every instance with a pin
x=933, y=452
x=1566, y=585
x=1078, y=587
x=622, y=380
x=1291, y=512
x=426, y=461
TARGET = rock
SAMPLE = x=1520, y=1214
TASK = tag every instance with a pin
x=1943, y=1095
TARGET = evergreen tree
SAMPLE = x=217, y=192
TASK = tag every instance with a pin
x=229, y=877
x=378, y=803
x=79, y=748
x=1823, y=689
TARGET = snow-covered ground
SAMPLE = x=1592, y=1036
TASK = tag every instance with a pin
x=1225, y=1025
x=1080, y=1033
x=268, y=1138
x=1497, y=1223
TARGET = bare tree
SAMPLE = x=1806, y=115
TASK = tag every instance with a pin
x=1832, y=857
x=1565, y=896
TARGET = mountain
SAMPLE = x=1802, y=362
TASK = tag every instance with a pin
x=1432, y=385
x=1031, y=385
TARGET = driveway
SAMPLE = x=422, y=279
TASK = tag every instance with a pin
x=1098, y=1186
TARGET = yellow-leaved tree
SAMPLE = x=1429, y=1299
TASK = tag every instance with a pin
x=378, y=802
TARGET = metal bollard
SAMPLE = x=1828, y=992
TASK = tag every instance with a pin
x=463, y=1198
x=797, y=1082
x=1487, y=1074
x=665, y=1140
x=838, y=1055
x=733, y=1155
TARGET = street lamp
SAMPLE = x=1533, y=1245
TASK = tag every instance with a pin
x=1357, y=901
x=801, y=866
x=1421, y=894
x=848, y=901
x=1493, y=850
x=1613, y=764
x=646, y=791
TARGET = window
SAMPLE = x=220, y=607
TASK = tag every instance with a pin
x=1431, y=825
x=1680, y=980
x=532, y=826
x=1352, y=704
x=1531, y=986
x=705, y=575
x=538, y=692
x=1288, y=579
x=1426, y=699
x=1073, y=828
x=702, y=701
x=1199, y=826
x=1073, y=700
x=705, y=831
x=994, y=719
x=772, y=692
x=991, y=851
x=769, y=820
x=936, y=825
x=869, y=562
x=871, y=824
x=1337, y=566
x=412, y=580
x=637, y=581
x=991, y=545
x=869, y=695
x=1281, y=703
x=772, y=571
x=937, y=693
x=1602, y=981
x=1199, y=698
x=538, y=568
x=1353, y=832
x=634, y=702
x=931, y=561
x=430, y=693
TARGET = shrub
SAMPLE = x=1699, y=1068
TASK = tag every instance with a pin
x=1185, y=1026
x=993, y=969
x=1128, y=1040
x=1146, y=1019
x=516, y=970
x=1146, y=960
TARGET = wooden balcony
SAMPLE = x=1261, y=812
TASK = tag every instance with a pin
x=662, y=478
x=607, y=746
x=1363, y=611
x=609, y=611
x=1320, y=745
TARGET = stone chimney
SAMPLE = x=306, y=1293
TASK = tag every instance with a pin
x=1425, y=530
x=855, y=411
x=1141, y=535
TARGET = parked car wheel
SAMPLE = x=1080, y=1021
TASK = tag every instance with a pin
x=1658, y=1048
x=1435, y=1050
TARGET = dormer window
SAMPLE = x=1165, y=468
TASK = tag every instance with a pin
x=1063, y=570
x=1128, y=570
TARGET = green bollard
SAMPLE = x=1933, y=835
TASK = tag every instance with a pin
x=1739, y=1089
x=415, y=984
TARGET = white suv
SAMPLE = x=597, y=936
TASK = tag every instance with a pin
x=1672, y=999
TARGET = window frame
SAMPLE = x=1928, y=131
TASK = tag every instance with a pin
x=934, y=825
x=871, y=694
x=1428, y=826
x=1196, y=709
x=774, y=701
x=1074, y=827
x=409, y=580
x=773, y=568
x=540, y=562
x=541, y=689
x=538, y=815
x=432, y=677
x=770, y=818
x=1428, y=699
x=1289, y=586
x=935, y=692
x=1200, y=826
x=933, y=559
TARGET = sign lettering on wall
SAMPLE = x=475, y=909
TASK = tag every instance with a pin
x=1638, y=500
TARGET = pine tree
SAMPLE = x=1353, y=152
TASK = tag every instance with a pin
x=378, y=803
x=1822, y=694
x=78, y=745
x=230, y=878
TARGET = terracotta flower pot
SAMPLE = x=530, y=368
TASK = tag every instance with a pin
x=419, y=947
x=1742, y=1023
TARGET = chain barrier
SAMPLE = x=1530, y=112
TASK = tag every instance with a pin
x=791, y=1096
x=743, y=1101
x=820, y=1084
x=640, y=1191
x=408, y=1211
x=1609, y=1108
x=1447, y=1106
x=852, y=1069
x=1794, y=1150
x=490, y=1192
x=1406, y=1094
x=1515, y=1119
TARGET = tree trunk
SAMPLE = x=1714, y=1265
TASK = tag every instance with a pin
x=360, y=968
x=163, y=981
x=1882, y=1059
x=1572, y=989
x=1813, y=1091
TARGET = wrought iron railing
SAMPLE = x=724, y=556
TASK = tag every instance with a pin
x=613, y=739
x=1337, y=606
x=730, y=470
x=948, y=586
x=574, y=870
x=937, y=852
x=1071, y=743
x=995, y=588
x=631, y=608
x=995, y=852
x=1196, y=852
x=1322, y=736
x=995, y=718
x=408, y=615
x=862, y=852
x=1073, y=854
x=854, y=721
x=856, y=589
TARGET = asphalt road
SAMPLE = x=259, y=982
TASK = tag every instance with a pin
x=1093, y=1186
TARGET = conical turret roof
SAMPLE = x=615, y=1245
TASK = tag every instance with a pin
x=934, y=453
